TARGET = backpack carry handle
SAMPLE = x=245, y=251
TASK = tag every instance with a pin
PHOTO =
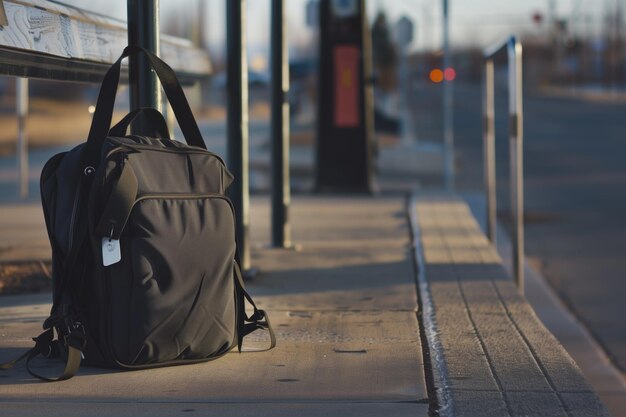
x=106, y=100
x=153, y=116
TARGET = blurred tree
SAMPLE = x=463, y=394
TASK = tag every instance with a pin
x=384, y=52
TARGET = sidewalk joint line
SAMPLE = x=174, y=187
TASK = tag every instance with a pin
x=482, y=344
x=535, y=357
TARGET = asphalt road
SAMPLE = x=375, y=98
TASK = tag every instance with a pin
x=575, y=185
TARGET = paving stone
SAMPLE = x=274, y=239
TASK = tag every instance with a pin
x=492, y=354
x=535, y=404
x=476, y=403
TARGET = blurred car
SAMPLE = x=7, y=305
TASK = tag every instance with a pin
x=255, y=80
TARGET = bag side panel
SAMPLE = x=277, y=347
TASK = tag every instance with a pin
x=49, y=189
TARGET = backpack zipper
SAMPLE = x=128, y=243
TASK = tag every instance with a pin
x=180, y=196
x=188, y=149
x=73, y=217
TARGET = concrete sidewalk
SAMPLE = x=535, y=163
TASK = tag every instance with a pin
x=491, y=355
x=344, y=308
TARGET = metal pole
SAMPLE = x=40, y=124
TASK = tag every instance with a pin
x=170, y=117
x=143, y=30
x=516, y=154
x=448, y=133
x=405, y=93
x=237, y=121
x=281, y=230
x=489, y=150
x=21, y=95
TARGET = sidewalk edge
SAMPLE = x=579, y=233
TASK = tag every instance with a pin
x=436, y=371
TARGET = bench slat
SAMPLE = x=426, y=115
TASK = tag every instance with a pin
x=44, y=39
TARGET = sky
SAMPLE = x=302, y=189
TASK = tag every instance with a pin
x=473, y=22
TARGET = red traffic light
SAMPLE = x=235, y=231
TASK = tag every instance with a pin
x=449, y=74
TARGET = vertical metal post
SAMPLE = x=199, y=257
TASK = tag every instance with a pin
x=489, y=150
x=516, y=154
x=448, y=132
x=516, y=148
x=408, y=131
x=143, y=30
x=237, y=121
x=21, y=96
x=281, y=229
x=170, y=117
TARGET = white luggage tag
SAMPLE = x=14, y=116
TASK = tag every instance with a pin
x=111, y=253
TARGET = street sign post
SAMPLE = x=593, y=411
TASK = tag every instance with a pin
x=448, y=129
x=312, y=17
x=404, y=30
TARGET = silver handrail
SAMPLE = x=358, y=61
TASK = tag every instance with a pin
x=516, y=140
x=21, y=104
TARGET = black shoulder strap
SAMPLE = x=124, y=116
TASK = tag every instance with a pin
x=47, y=347
x=103, y=115
x=248, y=324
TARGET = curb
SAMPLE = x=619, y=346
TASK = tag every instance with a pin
x=436, y=371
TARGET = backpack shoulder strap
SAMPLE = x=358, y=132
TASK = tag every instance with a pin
x=248, y=324
x=47, y=347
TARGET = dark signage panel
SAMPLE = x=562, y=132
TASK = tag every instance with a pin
x=345, y=108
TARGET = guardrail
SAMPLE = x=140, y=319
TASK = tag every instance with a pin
x=516, y=140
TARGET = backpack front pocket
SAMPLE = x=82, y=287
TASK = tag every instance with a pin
x=166, y=294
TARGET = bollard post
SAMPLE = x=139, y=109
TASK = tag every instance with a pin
x=516, y=139
x=281, y=195
x=489, y=150
x=237, y=122
x=21, y=96
x=143, y=30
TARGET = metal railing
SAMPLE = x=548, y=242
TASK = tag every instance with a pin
x=516, y=140
x=21, y=107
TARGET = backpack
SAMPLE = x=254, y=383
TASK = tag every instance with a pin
x=144, y=256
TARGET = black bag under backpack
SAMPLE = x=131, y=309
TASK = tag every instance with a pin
x=144, y=255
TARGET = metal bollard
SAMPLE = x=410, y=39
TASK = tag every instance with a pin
x=281, y=195
x=237, y=122
x=516, y=141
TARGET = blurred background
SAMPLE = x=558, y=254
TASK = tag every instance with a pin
x=575, y=120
